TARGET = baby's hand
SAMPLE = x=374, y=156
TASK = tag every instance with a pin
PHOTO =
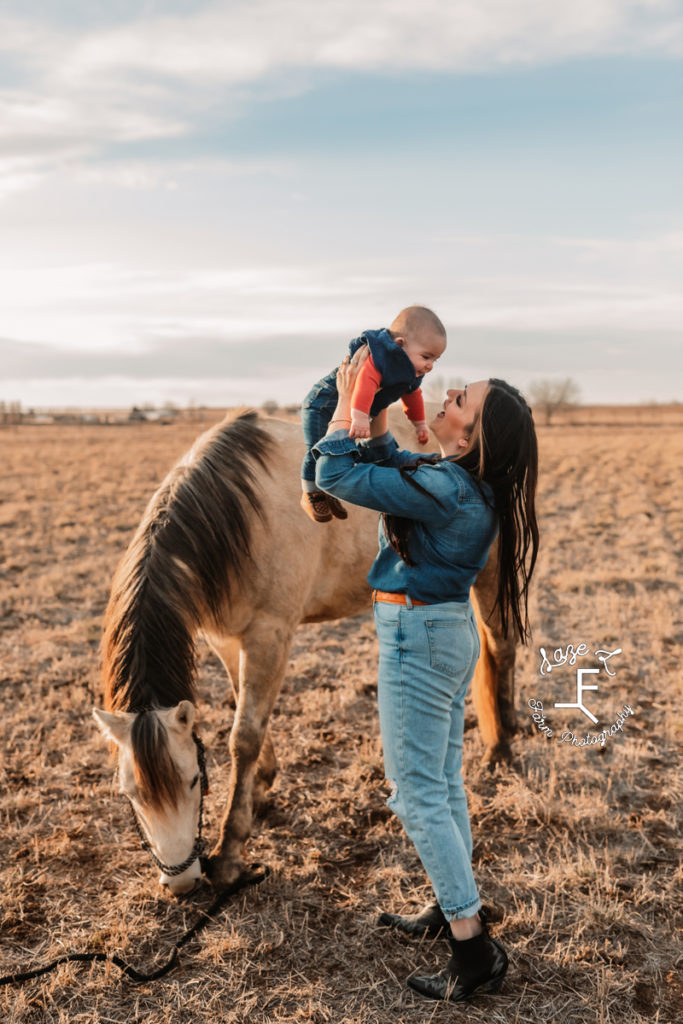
x=422, y=432
x=360, y=424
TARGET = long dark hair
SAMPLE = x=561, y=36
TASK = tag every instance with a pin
x=503, y=453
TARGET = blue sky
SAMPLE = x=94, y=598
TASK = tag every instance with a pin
x=206, y=201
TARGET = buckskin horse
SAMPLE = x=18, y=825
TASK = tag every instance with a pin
x=211, y=556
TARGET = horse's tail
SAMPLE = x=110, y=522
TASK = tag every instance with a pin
x=188, y=555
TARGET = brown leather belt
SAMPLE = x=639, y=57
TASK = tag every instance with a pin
x=384, y=595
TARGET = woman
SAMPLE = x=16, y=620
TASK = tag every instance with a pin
x=440, y=517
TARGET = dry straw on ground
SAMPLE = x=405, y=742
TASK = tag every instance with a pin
x=577, y=851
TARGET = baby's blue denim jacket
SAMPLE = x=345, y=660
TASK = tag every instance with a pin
x=451, y=537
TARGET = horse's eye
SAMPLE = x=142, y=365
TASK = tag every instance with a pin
x=194, y=781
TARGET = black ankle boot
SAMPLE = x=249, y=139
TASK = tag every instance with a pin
x=476, y=965
x=430, y=921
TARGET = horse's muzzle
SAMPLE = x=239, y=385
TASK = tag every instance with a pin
x=181, y=884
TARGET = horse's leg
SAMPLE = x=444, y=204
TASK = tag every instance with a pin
x=493, y=687
x=263, y=659
x=229, y=650
x=493, y=694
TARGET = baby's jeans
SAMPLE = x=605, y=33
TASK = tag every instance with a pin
x=427, y=658
x=316, y=412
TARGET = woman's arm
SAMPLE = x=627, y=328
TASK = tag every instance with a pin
x=384, y=488
x=346, y=379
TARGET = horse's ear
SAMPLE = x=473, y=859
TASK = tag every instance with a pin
x=181, y=717
x=115, y=725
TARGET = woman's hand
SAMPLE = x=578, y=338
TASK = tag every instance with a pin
x=348, y=371
x=346, y=379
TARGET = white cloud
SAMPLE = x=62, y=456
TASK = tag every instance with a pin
x=668, y=245
x=151, y=77
x=107, y=307
x=39, y=133
x=18, y=175
x=240, y=42
x=32, y=121
x=80, y=92
x=537, y=306
x=104, y=307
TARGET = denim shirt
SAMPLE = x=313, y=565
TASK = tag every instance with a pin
x=451, y=537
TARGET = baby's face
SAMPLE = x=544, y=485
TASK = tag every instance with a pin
x=423, y=351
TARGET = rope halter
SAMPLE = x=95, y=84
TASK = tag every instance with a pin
x=172, y=870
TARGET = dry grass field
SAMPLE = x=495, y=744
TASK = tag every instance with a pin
x=577, y=849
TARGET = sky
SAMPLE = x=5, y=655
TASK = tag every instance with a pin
x=204, y=202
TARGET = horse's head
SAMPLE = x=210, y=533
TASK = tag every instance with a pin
x=161, y=771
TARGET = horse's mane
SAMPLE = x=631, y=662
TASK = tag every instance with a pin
x=187, y=556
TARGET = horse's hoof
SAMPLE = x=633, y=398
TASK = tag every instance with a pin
x=233, y=877
x=254, y=874
x=263, y=807
x=223, y=873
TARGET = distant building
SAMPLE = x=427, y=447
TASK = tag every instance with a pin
x=166, y=415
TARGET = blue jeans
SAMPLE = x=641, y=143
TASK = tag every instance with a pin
x=316, y=413
x=427, y=658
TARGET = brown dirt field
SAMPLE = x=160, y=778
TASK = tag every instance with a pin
x=577, y=850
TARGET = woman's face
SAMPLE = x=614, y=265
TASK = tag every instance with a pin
x=451, y=426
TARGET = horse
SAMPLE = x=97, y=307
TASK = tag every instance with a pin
x=225, y=550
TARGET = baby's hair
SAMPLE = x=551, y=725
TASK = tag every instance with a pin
x=413, y=320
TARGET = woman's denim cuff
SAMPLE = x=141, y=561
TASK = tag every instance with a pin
x=336, y=443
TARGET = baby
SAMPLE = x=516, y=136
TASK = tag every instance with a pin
x=399, y=358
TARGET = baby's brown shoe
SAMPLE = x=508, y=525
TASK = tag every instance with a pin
x=336, y=508
x=316, y=505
